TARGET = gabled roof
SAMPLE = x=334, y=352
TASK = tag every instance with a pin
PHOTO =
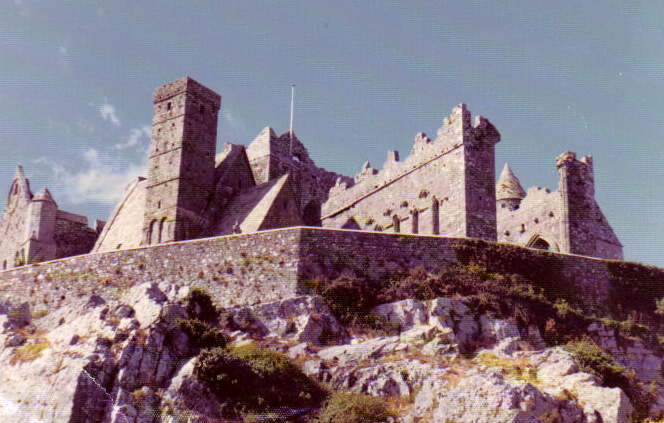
x=255, y=208
x=20, y=186
x=227, y=162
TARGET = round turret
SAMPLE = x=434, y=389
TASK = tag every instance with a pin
x=41, y=217
x=509, y=191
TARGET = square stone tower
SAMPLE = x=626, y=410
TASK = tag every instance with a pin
x=181, y=174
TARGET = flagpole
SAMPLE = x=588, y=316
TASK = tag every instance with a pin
x=290, y=131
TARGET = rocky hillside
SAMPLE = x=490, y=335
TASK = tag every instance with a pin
x=164, y=353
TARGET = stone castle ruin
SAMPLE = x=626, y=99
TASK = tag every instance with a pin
x=446, y=187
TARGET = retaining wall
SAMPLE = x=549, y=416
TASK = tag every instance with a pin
x=266, y=266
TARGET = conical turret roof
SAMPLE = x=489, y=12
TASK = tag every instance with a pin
x=44, y=195
x=508, y=185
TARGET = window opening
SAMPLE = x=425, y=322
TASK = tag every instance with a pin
x=435, y=223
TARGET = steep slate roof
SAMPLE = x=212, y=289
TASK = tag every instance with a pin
x=229, y=160
x=255, y=208
x=508, y=185
x=125, y=226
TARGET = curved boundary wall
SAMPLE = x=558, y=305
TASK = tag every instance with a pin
x=264, y=266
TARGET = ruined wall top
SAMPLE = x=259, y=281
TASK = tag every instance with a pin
x=455, y=132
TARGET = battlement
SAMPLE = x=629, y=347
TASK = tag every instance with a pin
x=455, y=131
x=413, y=190
x=189, y=86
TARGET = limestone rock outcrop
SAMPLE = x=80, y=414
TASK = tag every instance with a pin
x=112, y=359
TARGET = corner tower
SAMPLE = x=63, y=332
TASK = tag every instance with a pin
x=479, y=143
x=181, y=174
x=577, y=191
x=40, y=228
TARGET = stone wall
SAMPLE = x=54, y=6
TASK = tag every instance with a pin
x=448, y=183
x=568, y=220
x=538, y=216
x=378, y=255
x=72, y=235
x=269, y=265
x=237, y=269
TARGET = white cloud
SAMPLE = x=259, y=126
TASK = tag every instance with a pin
x=99, y=180
x=23, y=8
x=231, y=119
x=135, y=137
x=107, y=112
x=63, y=59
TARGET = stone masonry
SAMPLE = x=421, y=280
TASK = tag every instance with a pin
x=247, y=269
x=33, y=229
x=445, y=187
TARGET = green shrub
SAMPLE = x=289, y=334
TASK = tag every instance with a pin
x=202, y=334
x=612, y=374
x=200, y=307
x=635, y=287
x=257, y=378
x=357, y=408
x=349, y=298
x=659, y=306
x=593, y=360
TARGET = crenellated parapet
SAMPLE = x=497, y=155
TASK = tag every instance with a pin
x=452, y=174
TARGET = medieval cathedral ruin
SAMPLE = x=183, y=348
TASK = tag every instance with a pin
x=445, y=187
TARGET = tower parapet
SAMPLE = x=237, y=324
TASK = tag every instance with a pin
x=577, y=191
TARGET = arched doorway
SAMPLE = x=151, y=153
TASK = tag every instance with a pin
x=539, y=242
x=311, y=213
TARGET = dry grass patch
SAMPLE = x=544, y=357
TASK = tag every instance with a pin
x=29, y=352
x=518, y=367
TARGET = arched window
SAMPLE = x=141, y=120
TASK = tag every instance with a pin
x=536, y=241
x=541, y=243
x=396, y=224
x=4, y=265
x=22, y=256
x=415, y=214
x=435, y=222
x=151, y=230
x=162, y=234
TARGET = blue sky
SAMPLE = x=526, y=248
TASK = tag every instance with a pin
x=76, y=82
